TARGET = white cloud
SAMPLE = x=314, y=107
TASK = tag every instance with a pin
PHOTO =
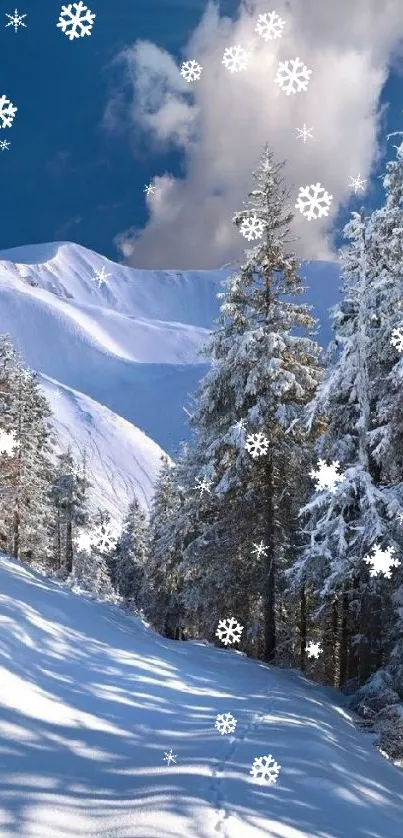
x=222, y=122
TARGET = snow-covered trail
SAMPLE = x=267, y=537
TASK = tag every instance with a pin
x=90, y=700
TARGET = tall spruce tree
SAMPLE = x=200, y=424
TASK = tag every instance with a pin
x=129, y=559
x=263, y=373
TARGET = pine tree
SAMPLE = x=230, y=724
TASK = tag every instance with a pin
x=68, y=495
x=263, y=374
x=129, y=559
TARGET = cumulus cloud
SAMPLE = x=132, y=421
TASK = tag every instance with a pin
x=221, y=122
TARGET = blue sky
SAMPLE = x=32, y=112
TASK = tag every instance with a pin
x=83, y=145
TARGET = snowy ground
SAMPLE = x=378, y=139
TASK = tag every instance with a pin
x=90, y=700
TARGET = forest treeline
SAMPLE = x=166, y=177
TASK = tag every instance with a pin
x=242, y=525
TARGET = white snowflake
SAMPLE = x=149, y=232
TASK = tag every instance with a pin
x=326, y=476
x=191, y=70
x=149, y=190
x=100, y=277
x=104, y=538
x=77, y=23
x=304, y=133
x=270, y=26
x=313, y=649
x=292, y=76
x=396, y=339
x=311, y=203
x=4, y=145
x=8, y=443
x=252, y=227
x=169, y=756
x=357, y=183
x=225, y=723
x=204, y=485
x=240, y=426
x=265, y=769
x=256, y=444
x=7, y=112
x=381, y=561
x=229, y=631
x=16, y=20
x=235, y=59
x=260, y=549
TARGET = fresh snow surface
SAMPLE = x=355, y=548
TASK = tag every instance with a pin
x=90, y=700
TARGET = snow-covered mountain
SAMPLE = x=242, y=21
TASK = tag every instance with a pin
x=91, y=701
x=118, y=353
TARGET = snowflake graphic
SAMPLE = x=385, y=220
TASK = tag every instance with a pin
x=229, y=631
x=225, y=723
x=104, y=538
x=381, y=561
x=203, y=485
x=304, y=133
x=311, y=203
x=84, y=541
x=235, y=59
x=260, y=549
x=357, y=183
x=191, y=70
x=313, y=649
x=270, y=26
x=326, y=476
x=169, y=756
x=149, y=190
x=396, y=339
x=292, y=76
x=100, y=277
x=77, y=23
x=265, y=769
x=16, y=20
x=252, y=227
x=4, y=145
x=8, y=443
x=256, y=444
x=7, y=112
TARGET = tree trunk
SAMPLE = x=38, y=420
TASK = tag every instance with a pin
x=302, y=629
x=69, y=547
x=16, y=533
x=344, y=645
x=269, y=571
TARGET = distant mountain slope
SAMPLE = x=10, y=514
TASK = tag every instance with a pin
x=131, y=346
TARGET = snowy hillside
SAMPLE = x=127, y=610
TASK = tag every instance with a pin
x=91, y=700
x=124, y=352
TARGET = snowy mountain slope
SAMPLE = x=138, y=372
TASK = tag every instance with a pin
x=90, y=700
x=112, y=342
x=121, y=460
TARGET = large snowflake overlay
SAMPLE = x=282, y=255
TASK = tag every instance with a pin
x=327, y=477
x=311, y=203
x=396, y=339
x=7, y=112
x=269, y=26
x=16, y=20
x=381, y=561
x=104, y=538
x=252, y=227
x=357, y=183
x=225, y=723
x=8, y=443
x=265, y=769
x=77, y=23
x=203, y=485
x=304, y=133
x=292, y=76
x=100, y=277
x=313, y=649
x=235, y=59
x=257, y=444
x=169, y=756
x=191, y=70
x=229, y=631
x=260, y=550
